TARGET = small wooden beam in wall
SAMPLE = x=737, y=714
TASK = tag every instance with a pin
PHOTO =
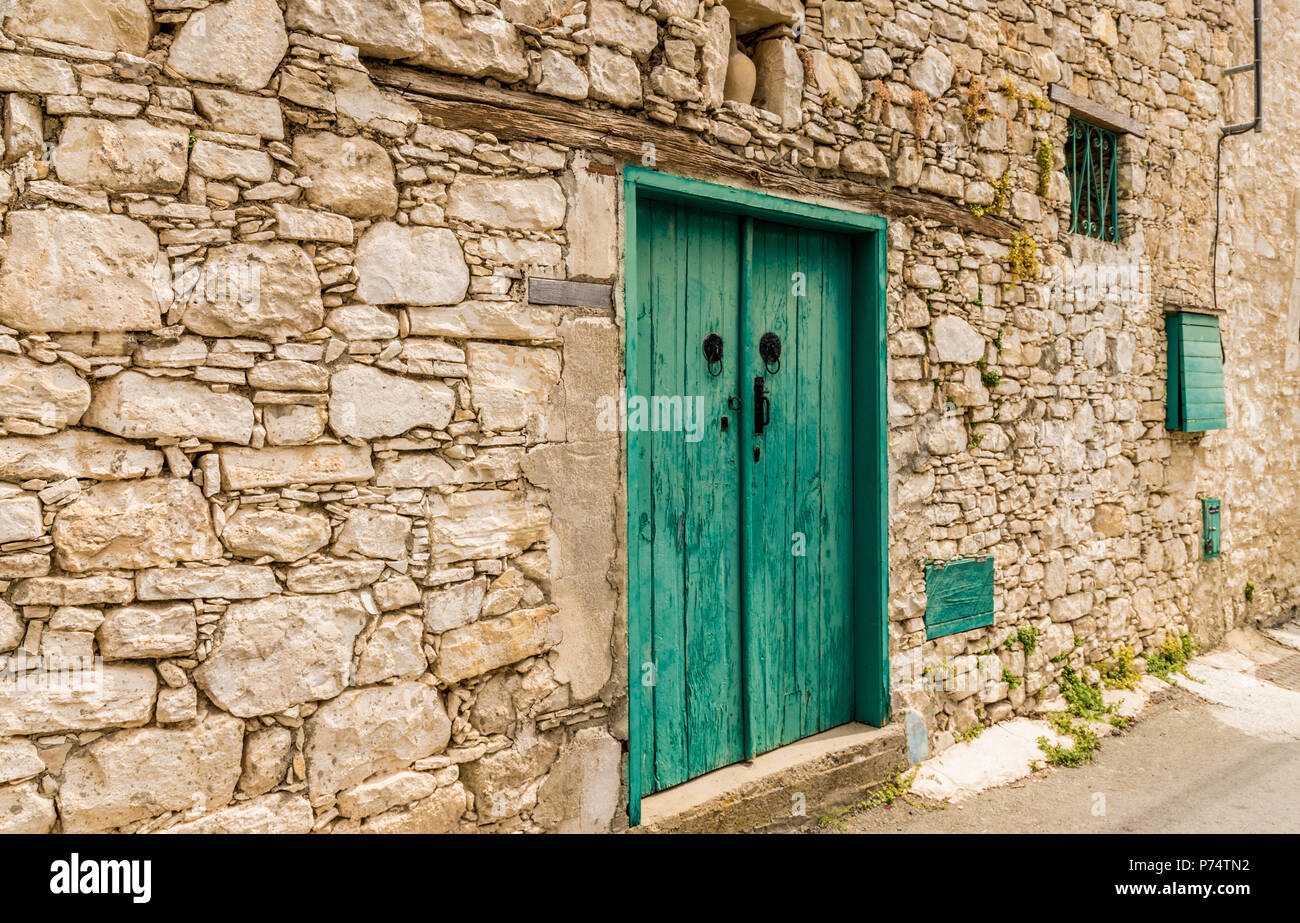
x=570, y=294
x=1095, y=112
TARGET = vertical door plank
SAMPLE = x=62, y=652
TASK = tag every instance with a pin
x=712, y=552
x=667, y=285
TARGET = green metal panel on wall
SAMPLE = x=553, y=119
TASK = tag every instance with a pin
x=1195, y=397
x=834, y=663
x=958, y=596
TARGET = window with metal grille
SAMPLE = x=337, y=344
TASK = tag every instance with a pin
x=1092, y=164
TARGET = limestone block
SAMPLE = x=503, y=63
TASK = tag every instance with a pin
x=750, y=15
x=241, y=113
x=522, y=204
x=76, y=271
x=368, y=403
x=413, y=469
x=277, y=813
x=222, y=162
x=135, y=524
x=865, y=158
x=614, y=77
x=12, y=628
x=104, y=25
x=237, y=581
x=23, y=73
x=946, y=436
x=147, y=631
x=1110, y=519
x=394, y=650
x=386, y=792
x=23, y=809
x=333, y=576
x=409, y=265
x=284, y=535
x=512, y=385
x=454, y=606
x=243, y=468
x=497, y=642
x=143, y=407
x=500, y=320
x=267, y=753
x=350, y=176
x=19, y=760
x=177, y=706
x=476, y=46
x=122, y=695
x=122, y=155
x=307, y=224
x=591, y=224
x=476, y=524
x=439, y=813
x=288, y=375
x=362, y=322
x=133, y=775
x=281, y=651
x=358, y=99
x=837, y=79
x=715, y=55
x=71, y=591
x=500, y=781
x=375, y=534
x=261, y=289
x=613, y=23
x=843, y=19
x=581, y=794
x=238, y=42
x=376, y=729
x=24, y=129
x=52, y=395
x=397, y=592
x=956, y=341
x=561, y=76
x=293, y=424
x=779, y=87
x=379, y=28
x=20, y=518
x=932, y=72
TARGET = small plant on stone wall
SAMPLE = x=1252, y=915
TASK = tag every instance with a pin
x=1012, y=681
x=1032, y=101
x=1023, y=258
x=1121, y=674
x=878, y=97
x=1001, y=192
x=1250, y=591
x=1172, y=656
x=1044, y=157
x=1026, y=636
x=991, y=378
x=975, y=107
x=922, y=113
x=969, y=734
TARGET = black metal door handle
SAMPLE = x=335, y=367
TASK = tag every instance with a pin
x=762, y=406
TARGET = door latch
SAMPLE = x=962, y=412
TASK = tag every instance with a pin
x=762, y=406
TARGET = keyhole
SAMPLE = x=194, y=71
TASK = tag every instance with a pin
x=724, y=424
x=755, y=453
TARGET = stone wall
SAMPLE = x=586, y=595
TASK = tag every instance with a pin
x=289, y=448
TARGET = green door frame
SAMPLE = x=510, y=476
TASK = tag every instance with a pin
x=870, y=466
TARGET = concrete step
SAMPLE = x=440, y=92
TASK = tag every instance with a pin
x=829, y=770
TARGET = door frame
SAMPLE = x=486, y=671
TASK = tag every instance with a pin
x=869, y=359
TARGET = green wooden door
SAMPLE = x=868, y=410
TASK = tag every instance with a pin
x=743, y=565
x=797, y=487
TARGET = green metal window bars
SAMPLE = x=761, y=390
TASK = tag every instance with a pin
x=1092, y=163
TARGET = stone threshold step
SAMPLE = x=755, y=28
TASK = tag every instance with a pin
x=821, y=773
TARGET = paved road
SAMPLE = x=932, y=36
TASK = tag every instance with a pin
x=1181, y=769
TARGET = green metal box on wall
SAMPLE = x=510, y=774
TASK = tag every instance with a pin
x=958, y=596
x=1210, y=528
x=1195, y=394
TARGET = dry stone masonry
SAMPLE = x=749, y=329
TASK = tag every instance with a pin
x=293, y=466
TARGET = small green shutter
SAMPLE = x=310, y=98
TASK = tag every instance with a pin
x=1195, y=388
x=958, y=596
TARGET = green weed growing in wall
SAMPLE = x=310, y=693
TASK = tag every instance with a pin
x=1044, y=157
x=991, y=378
x=1023, y=257
x=1250, y=591
x=1172, y=656
x=1121, y=674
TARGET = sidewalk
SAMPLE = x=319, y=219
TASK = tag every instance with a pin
x=1219, y=752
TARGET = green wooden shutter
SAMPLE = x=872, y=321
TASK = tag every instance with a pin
x=958, y=596
x=1196, y=400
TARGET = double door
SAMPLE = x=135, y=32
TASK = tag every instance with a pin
x=739, y=433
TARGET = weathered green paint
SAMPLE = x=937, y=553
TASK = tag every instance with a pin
x=1211, y=527
x=958, y=596
x=848, y=676
x=1195, y=397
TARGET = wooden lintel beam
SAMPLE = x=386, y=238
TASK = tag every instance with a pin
x=455, y=103
x=1095, y=112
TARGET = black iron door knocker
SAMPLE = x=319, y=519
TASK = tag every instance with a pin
x=769, y=348
x=713, y=353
